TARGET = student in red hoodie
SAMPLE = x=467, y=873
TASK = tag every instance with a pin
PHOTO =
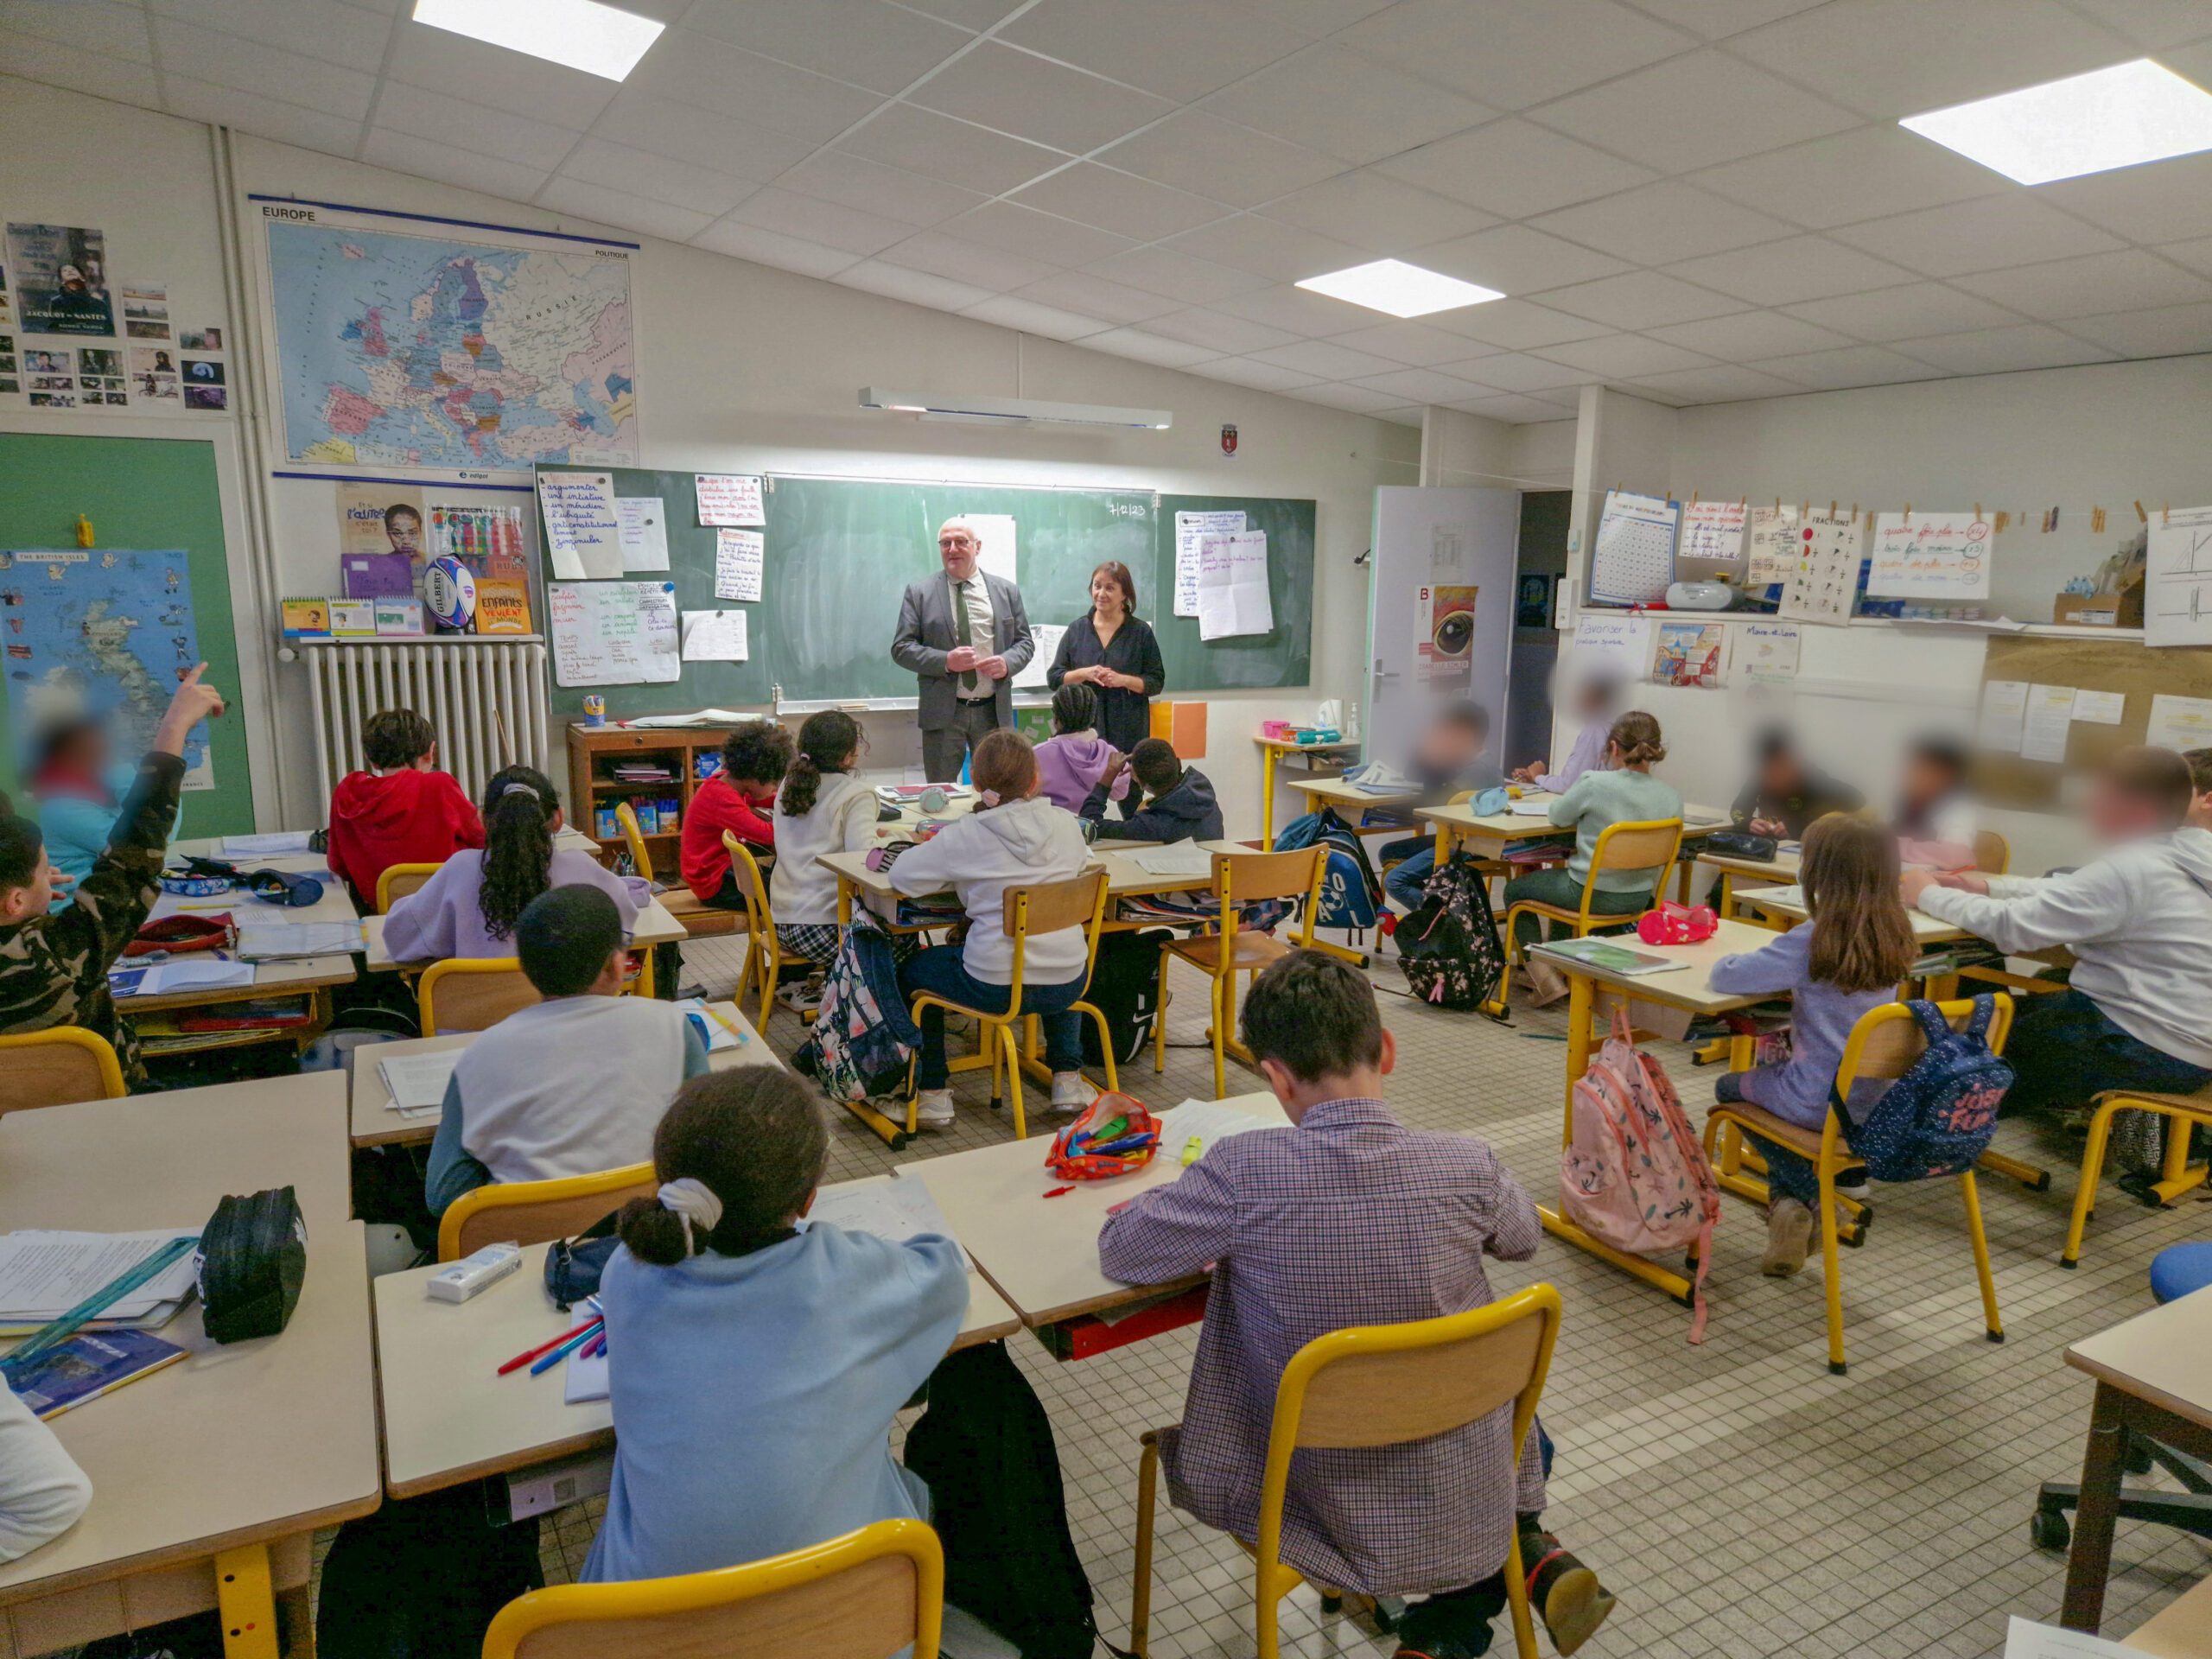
x=403, y=810
x=739, y=798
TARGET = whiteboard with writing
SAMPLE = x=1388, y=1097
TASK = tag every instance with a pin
x=1930, y=555
x=613, y=632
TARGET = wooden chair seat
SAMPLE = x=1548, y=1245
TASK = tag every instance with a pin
x=702, y=920
x=2177, y=1175
x=1253, y=950
x=1764, y=1124
x=2199, y=1102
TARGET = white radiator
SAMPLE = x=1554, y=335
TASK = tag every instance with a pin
x=467, y=689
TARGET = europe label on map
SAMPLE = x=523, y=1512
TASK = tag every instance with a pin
x=400, y=345
x=99, y=631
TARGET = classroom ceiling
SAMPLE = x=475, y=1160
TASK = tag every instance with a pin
x=1695, y=200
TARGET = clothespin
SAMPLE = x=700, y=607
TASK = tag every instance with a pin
x=1832, y=509
x=1693, y=498
x=2166, y=515
x=84, y=531
x=2140, y=515
x=2003, y=519
x=1977, y=512
x=1777, y=506
x=2096, y=521
x=1908, y=512
x=1854, y=512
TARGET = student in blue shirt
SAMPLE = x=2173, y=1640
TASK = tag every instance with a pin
x=1846, y=960
x=79, y=793
x=754, y=1363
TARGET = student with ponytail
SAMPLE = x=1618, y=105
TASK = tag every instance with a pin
x=756, y=1362
x=822, y=808
x=469, y=908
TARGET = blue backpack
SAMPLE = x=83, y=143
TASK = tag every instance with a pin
x=1937, y=1118
x=1351, y=895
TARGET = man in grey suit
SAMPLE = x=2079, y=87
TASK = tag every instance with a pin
x=964, y=636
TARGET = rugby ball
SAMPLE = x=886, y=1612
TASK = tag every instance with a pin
x=448, y=592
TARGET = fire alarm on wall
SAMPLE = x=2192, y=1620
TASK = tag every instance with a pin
x=1228, y=440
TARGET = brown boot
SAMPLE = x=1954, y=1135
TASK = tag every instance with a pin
x=1563, y=1592
x=1788, y=1235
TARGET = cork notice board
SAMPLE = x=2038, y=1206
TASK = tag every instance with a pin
x=2126, y=666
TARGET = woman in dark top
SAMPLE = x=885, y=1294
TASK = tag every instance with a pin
x=1114, y=652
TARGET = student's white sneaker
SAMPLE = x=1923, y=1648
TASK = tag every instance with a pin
x=934, y=1109
x=1072, y=1092
x=1788, y=1235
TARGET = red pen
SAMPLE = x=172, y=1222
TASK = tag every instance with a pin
x=523, y=1359
x=1057, y=1191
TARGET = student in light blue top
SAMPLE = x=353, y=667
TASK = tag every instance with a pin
x=1844, y=962
x=1624, y=793
x=79, y=793
x=755, y=1363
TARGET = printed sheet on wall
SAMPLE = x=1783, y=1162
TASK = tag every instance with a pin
x=1634, y=560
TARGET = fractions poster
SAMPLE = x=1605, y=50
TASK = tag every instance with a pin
x=613, y=632
x=1189, y=526
x=739, y=557
x=729, y=498
x=1825, y=576
x=1634, y=560
x=1713, y=532
x=1930, y=555
x=1766, y=651
x=1773, y=546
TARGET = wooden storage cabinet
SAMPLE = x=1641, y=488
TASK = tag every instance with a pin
x=596, y=751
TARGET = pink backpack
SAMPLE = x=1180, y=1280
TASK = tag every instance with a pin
x=1634, y=1175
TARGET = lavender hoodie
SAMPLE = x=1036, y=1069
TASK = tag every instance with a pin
x=1071, y=766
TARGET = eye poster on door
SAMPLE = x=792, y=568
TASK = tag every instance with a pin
x=1444, y=636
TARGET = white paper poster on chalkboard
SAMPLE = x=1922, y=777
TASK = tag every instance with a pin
x=583, y=530
x=644, y=523
x=1233, y=585
x=995, y=531
x=613, y=632
x=1046, y=637
x=2177, y=584
x=1634, y=557
x=1614, y=648
x=729, y=498
x=1189, y=527
x=1930, y=555
x=739, y=555
x=1713, y=531
x=714, y=636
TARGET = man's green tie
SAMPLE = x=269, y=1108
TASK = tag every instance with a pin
x=964, y=630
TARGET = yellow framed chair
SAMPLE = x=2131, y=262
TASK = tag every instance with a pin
x=764, y=952
x=1650, y=844
x=641, y=982
x=536, y=1213
x=2183, y=1113
x=863, y=1596
x=400, y=879
x=59, y=1066
x=478, y=992
x=1883, y=1044
x=1241, y=879
x=1375, y=1385
x=1046, y=907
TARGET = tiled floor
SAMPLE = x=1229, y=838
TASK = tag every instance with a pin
x=1739, y=1500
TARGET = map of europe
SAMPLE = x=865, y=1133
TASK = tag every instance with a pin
x=410, y=351
x=103, y=632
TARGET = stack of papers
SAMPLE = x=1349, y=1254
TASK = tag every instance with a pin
x=899, y=1209
x=1541, y=809
x=1209, y=1120
x=1793, y=896
x=188, y=974
x=269, y=846
x=416, y=1083
x=261, y=941
x=44, y=1275
x=719, y=1036
x=1179, y=858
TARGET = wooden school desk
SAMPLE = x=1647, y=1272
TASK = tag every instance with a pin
x=1275, y=750
x=655, y=926
x=1926, y=929
x=1485, y=834
x=1350, y=799
x=377, y=1123
x=229, y=1461
x=1783, y=870
x=448, y=1417
x=2154, y=1377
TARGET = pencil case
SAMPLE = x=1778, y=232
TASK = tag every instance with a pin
x=252, y=1260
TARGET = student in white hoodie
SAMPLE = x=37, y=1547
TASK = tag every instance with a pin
x=1014, y=838
x=822, y=808
x=2139, y=920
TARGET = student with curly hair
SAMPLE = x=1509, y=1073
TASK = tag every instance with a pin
x=741, y=798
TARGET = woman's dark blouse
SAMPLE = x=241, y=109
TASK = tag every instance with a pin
x=1124, y=717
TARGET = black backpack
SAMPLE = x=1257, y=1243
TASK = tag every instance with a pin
x=985, y=1447
x=1448, y=945
x=1125, y=987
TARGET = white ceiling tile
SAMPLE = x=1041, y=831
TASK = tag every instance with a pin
x=1622, y=357
x=1226, y=333
x=1695, y=111
x=695, y=69
x=622, y=208
x=883, y=47
x=678, y=183
x=915, y=287
x=2170, y=331
x=1515, y=259
x=768, y=248
x=1378, y=212
x=1150, y=348
x=1181, y=49
x=1178, y=276
x=1516, y=325
x=2164, y=201
x=1509, y=407
x=1268, y=247
x=967, y=261
x=1031, y=318
x=229, y=62
x=976, y=14
x=1510, y=54
x=1888, y=59
x=468, y=126
x=1196, y=151
x=1518, y=371
x=1094, y=296
x=1264, y=376
x=1422, y=385
x=1414, y=344
x=2195, y=254
x=854, y=182
x=1640, y=299
x=812, y=220
x=2130, y=280
x=1033, y=98
x=1717, y=19
x=1336, y=395
x=1801, y=268
x=704, y=139
x=292, y=123
x=1119, y=202
x=1661, y=222
x=1300, y=312
x=1849, y=365
x=2015, y=229
x=481, y=72
x=408, y=152
x=955, y=151
x=1999, y=351
x=1013, y=229
x=1345, y=106
x=1326, y=358
x=1749, y=336
x=1904, y=313
x=1861, y=175
x=1730, y=383
x=318, y=29
x=56, y=64
x=1515, y=168
x=2153, y=24
x=105, y=28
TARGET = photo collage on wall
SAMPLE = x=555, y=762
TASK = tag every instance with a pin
x=73, y=335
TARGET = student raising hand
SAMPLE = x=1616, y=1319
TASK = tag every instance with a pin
x=193, y=704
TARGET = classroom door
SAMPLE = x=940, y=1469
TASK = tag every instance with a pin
x=1440, y=610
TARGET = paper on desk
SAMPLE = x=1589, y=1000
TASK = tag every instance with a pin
x=899, y=1209
x=1176, y=858
x=2025, y=1639
x=1793, y=896
x=1209, y=1120
x=269, y=846
x=719, y=1036
x=1530, y=809
x=44, y=1275
x=165, y=978
x=417, y=1082
x=586, y=1379
x=260, y=941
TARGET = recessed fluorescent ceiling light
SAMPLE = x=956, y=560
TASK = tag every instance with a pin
x=581, y=34
x=2121, y=116
x=1401, y=289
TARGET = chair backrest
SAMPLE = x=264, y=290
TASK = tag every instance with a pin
x=1047, y=907
x=640, y=860
x=1648, y=845
x=400, y=879
x=1888, y=1039
x=536, y=1212
x=471, y=992
x=863, y=1596
x=57, y=1067
x=1993, y=853
x=1241, y=879
x=752, y=885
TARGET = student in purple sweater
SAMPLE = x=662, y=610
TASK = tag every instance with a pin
x=1844, y=961
x=1595, y=704
x=1071, y=762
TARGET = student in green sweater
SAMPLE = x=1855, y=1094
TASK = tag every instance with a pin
x=1625, y=792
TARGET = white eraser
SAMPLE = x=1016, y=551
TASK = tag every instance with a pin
x=473, y=1273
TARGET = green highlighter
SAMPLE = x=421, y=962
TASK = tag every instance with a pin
x=1192, y=1148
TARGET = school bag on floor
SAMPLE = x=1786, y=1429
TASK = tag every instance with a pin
x=862, y=1033
x=1448, y=945
x=1351, y=894
x=1939, y=1116
x=1125, y=987
x=1633, y=1174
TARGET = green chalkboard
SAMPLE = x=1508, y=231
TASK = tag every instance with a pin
x=149, y=495
x=1284, y=656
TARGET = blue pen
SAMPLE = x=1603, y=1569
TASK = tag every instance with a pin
x=546, y=1362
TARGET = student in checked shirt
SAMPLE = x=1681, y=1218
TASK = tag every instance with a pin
x=1348, y=1217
